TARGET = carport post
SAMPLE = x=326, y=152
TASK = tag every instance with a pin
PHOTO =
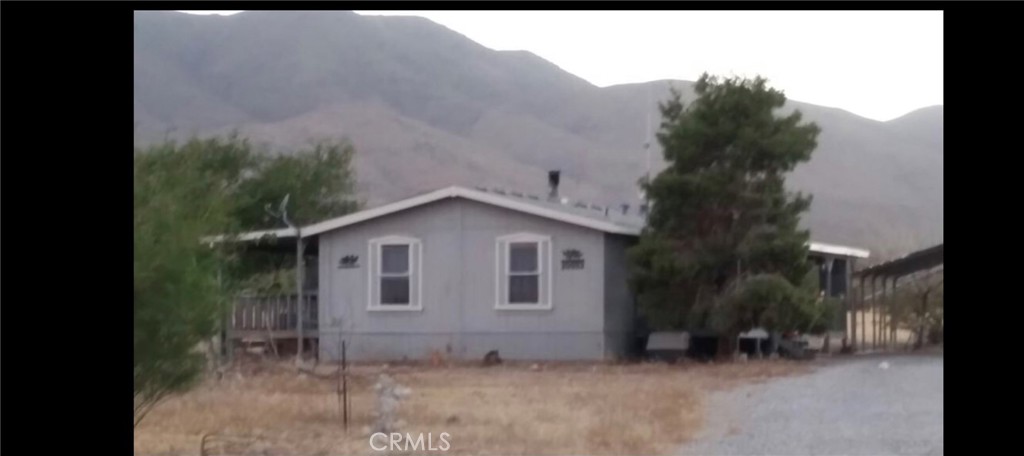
x=850, y=329
x=300, y=264
x=874, y=314
x=894, y=324
x=852, y=309
x=828, y=277
x=227, y=310
x=885, y=314
x=863, y=318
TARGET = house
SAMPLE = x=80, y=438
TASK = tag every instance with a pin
x=464, y=271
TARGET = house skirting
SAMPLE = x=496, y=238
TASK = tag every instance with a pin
x=526, y=346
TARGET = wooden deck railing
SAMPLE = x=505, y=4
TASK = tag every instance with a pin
x=274, y=313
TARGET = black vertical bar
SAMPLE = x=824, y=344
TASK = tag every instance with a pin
x=344, y=387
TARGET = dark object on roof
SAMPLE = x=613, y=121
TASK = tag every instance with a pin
x=554, y=177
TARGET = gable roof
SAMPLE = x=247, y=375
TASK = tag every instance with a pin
x=550, y=210
x=587, y=218
x=608, y=220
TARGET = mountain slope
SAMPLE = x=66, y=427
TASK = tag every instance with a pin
x=924, y=124
x=426, y=107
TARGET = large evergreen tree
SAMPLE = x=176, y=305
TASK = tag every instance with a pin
x=720, y=211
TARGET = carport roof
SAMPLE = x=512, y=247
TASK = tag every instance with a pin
x=920, y=260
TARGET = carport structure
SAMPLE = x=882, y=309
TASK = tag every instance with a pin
x=878, y=301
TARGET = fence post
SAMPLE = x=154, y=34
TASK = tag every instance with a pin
x=300, y=264
x=344, y=370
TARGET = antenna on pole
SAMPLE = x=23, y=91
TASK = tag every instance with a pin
x=300, y=265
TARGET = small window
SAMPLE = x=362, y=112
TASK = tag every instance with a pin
x=523, y=272
x=394, y=274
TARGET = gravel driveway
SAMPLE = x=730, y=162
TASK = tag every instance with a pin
x=846, y=407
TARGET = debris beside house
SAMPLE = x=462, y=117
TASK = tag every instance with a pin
x=492, y=358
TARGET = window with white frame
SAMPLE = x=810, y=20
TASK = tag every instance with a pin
x=395, y=265
x=523, y=271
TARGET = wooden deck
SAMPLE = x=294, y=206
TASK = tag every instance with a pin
x=274, y=317
x=279, y=335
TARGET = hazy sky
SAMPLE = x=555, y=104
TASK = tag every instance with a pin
x=876, y=64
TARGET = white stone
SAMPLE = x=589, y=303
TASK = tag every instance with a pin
x=389, y=395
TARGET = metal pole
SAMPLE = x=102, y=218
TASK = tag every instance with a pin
x=863, y=316
x=888, y=314
x=894, y=318
x=344, y=387
x=921, y=326
x=852, y=307
x=828, y=277
x=874, y=314
x=883, y=323
x=886, y=295
x=300, y=264
x=828, y=293
x=225, y=320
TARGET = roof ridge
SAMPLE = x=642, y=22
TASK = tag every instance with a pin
x=565, y=213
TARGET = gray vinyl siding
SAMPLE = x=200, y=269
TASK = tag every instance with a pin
x=458, y=315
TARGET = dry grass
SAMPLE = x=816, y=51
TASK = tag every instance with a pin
x=509, y=409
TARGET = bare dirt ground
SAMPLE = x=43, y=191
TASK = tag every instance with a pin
x=549, y=409
x=848, y=406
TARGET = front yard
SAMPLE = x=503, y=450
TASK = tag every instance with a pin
x=513, y=408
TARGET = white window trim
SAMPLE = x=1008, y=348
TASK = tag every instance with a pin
x=375, y=264
x=543, y=264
